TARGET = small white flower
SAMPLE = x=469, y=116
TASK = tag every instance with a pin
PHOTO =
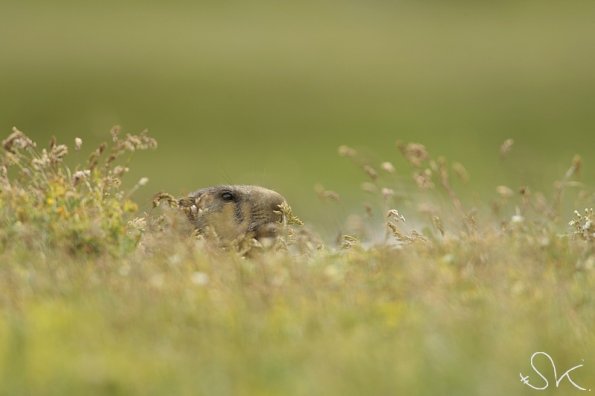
x=199, y=278
x=517, y=219
x=143, y=181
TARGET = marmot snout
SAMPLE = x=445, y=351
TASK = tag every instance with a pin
x=232, y=211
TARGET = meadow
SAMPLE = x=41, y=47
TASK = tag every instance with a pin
x=439, y=154
x=101, y=299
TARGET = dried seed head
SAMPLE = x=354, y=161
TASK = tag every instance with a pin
x=387, y=167
x=171, y=201
x=94, y=157
x=325, y=194
x=112, y=182
x=288, y=216
x=4, y=182
x=115, y=131
x=143, y=181
x=506, y=147
x=415, y=153
x=504, y=191
x=371, y=172
x=42, y=161
x=346, y=151
x=120, y=170
x=331, y=195
x=138, y=142
x=583, y=225
x=387, y=193
x=437, y=222
x=17, y=140
x=369, y=187
x=78, y=142
x=349, y=241
x=460, y=171
x=57, y=153
x=394, y=214
x=575, y=167
x=423, y=179
x=80, y=176
x=368, y=209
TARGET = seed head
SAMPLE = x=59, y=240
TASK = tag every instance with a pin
x=387, y=167
x=369, y=187
x=371, y=172
x=17, y=140
x=504, y=191
x=346, y=151
x=460, y=171
x=58, y=152
x=387, y=193
x=415, y=153
x=506, y=147
x=394, y=214
x=80, y=176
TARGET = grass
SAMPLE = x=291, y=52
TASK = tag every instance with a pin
x=421, y=293
x=459, y=77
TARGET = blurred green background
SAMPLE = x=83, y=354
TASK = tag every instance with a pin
x=264, y=91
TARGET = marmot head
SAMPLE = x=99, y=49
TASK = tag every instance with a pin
x=233, y=211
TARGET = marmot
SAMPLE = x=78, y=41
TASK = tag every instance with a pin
x=235, y=211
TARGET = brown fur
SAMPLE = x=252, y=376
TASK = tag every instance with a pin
x=235, y=211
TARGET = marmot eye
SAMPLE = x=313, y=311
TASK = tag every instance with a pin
x=227, y=196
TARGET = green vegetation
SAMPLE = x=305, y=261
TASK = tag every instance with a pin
x=262, y=92
x=420, y=269
x=421, y=294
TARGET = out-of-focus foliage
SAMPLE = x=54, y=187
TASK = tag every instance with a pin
x=45, y=205
x=437, y=297
x=261, y=92
x=413, y=273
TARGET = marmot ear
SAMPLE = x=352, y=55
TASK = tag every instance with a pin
x=198, y=193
